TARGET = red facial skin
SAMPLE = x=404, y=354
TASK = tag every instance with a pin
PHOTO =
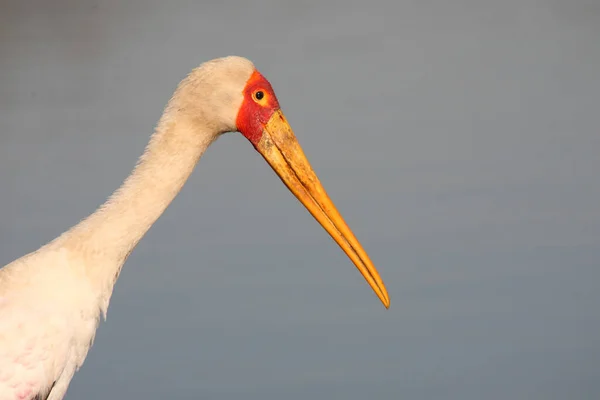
x=255, y=113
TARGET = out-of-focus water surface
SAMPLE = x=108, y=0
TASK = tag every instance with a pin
x=459, y=140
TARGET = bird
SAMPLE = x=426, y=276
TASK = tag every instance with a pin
x=53, y=299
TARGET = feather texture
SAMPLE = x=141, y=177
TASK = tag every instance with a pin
x=51, y=300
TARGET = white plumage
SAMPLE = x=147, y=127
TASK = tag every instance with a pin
x=48, y=319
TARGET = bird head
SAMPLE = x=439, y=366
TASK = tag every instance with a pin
x=229, y=94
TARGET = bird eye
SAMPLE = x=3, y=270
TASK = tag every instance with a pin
x=259, y=95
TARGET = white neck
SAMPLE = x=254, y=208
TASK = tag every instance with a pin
x=107, y=237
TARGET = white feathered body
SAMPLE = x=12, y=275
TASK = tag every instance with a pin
x=49, y=312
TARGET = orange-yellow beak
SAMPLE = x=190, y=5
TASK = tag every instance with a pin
x=280, y=148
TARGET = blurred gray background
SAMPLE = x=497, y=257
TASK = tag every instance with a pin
x=459, y=139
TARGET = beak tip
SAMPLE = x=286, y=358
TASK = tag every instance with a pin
x=386, y=304
x=382, y=293
x=385, y=300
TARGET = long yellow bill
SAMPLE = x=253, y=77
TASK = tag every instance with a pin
x=281, y=150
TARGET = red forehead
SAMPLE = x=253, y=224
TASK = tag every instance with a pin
x=252, y=115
